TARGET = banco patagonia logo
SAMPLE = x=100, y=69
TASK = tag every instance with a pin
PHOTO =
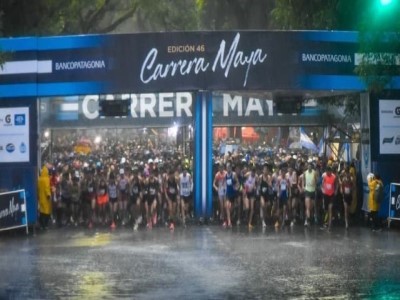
x=19, y=119
x=10, y=148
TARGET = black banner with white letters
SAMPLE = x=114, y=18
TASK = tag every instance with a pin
x=180, y=61
x=13, y=212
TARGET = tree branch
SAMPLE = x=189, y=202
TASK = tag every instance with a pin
x=118, y=22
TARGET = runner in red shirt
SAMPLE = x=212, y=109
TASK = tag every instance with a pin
x=329, y=191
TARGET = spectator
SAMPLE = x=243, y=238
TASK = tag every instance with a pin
x=44, y=196
x=375, y=184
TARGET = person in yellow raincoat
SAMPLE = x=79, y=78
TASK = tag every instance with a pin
x=373, y=203
x=44, y=198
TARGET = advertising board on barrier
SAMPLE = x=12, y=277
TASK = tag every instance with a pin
x=13, y=213
x=389, y=126
x=14, y=134
x=394, y=202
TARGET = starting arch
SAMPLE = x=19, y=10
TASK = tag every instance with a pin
x=197, y=74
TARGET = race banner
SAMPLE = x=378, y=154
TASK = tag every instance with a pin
x=13, y=213
x=180, y=62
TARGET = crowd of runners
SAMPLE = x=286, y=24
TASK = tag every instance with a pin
x=154, y=188
x=295, y=190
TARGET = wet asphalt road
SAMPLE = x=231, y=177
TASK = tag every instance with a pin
x=201, y=262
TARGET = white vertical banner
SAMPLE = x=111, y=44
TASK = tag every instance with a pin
x=389, y=126
x=365, y=146
x=14, y=134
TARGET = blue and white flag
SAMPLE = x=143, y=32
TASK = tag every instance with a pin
x=306, y=142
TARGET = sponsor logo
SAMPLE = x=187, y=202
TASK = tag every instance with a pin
x=22, y=147
x=19, y=119
x=397, y=111
x=323, y=57
x=388, y=140
x=80, y=65
x=7, y=120
x=10, y=148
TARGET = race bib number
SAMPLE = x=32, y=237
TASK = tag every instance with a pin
x=90, y=189
x=152, y=191
x=171, y=190
x=347, y=190
x=229, y=181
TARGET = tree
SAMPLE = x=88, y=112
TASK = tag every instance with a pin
x=234, y=14
x=167, y=15
x=304, y=14
x=378, y=25
x=52, y=17
x=380, y=45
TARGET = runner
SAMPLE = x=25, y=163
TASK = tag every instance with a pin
x=347, y=186
x=283, y=196
x=329, y=191
x=275, y=198
x=55, y=188
x=171, y=194
x=75, y=199
x=88, y=189
x=308, y=185
x=113, y=198
x=293, y=195
x=151, y=188
x=102, y=201
x=66, y=185
x=219, y=185
x=251, y=188
x=239, y=194
x=135, y=193
x=123, y=195
x=232, y=184
x=185, y=188
x=265, y=196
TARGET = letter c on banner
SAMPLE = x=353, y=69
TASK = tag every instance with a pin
x=91, y=115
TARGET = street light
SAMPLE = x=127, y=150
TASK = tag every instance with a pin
x=385, y=2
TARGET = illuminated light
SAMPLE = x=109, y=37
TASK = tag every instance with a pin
x=46, y=134
x=385, y=2
x=173, y=131
x=97, y=139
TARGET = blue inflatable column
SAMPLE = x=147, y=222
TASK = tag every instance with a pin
x=203, y=154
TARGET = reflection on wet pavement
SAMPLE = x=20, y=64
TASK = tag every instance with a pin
x=201, y=263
